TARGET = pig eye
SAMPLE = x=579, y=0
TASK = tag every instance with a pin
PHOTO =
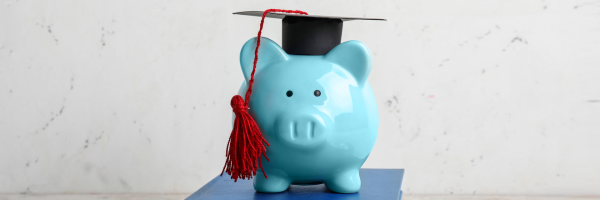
x=317, y=93
x=289, y=93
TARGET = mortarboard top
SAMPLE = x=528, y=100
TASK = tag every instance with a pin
x=308, y=34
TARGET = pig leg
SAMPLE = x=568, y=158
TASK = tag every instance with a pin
x=276, y=182
x=344, y=182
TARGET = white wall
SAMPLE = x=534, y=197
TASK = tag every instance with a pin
x=485, y=97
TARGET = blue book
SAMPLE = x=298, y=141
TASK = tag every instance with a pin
x=376, y=184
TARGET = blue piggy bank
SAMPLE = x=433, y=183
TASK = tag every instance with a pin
x=318, y=113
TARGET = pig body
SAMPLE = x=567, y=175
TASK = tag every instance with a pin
x=315, y=137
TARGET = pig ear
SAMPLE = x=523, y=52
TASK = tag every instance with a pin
x=355, y=57
x=268, y=52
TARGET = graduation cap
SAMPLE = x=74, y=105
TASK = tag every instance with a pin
x=308, y=34
x=303, y=34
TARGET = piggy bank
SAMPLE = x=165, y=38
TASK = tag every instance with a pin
x=318, y=113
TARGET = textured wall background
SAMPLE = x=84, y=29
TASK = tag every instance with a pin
x=475, y=97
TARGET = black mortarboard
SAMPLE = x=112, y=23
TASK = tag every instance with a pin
x=308, y=34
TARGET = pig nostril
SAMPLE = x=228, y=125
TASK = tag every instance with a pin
x=293, y=130
x=289, y=93
x=311, y=130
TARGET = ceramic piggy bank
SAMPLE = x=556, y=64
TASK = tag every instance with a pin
x=318, y=113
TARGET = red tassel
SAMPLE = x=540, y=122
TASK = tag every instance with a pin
x=245, y=144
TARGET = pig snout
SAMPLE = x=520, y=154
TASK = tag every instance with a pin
x=301, y=129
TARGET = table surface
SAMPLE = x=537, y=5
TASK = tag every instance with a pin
x=146, y=196
x=376, y=184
